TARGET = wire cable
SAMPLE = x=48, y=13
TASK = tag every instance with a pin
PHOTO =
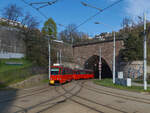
x=42, y=14
x=50, y=2
x=88, y=19
x=85, y=21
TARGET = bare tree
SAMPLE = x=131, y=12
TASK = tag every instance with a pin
x=29, y=21
x=72, y=35
x=127, y=24
x=12, y=12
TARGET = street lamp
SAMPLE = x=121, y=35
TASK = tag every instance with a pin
x=114, y=48
x=145, y=55
x=88, y=5
x=114, y=52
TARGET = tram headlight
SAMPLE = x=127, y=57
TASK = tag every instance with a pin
x=52, y=81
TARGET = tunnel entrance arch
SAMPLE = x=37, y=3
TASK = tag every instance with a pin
x=92, y=63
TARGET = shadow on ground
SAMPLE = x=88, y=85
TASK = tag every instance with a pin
x=7, y=98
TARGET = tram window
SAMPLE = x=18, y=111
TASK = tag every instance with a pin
x=88, y=72
x=60, y=71
x=67, y=71
x=78, y=72
x=81, y=72
x=54, y=71
x=64, y=72
x=70, y=71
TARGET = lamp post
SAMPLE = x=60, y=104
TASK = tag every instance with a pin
x=145, y=54
x=49, y=58
x=88, y=5
x=60, y=57
x=49, y=53
x=114, y=49
x=114, y=44
x=100, y=64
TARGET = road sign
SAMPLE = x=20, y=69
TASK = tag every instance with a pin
x=100, y=66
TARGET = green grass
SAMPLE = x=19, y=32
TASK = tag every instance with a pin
x=2, y=86
x=10, y=74
x=141, y=81
x=109, y=83
x=4, y=67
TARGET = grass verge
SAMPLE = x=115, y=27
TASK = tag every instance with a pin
x=109, y=83
x=5, y=67
x=141, y=81
x=10, y=74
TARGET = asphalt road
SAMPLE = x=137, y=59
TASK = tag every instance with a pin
x=80, y=96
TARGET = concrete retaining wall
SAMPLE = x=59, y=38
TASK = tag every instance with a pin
x=132, y=69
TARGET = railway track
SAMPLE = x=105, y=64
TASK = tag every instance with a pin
x=72, y=93
x=61, y=95
x=83, y=101
x=118, y=95
x=9, y=98
x=22, y=92
x=48, y=102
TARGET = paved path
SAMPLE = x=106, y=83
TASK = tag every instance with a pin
x=74, y=97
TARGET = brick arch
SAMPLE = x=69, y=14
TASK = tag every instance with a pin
x=81, y=52
x=92, y=63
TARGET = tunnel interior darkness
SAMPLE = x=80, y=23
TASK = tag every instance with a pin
x=93, y=64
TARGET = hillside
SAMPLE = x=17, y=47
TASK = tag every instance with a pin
x=134, y=43
x=13, y=70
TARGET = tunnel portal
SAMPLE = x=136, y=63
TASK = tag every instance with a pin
x=93, y=64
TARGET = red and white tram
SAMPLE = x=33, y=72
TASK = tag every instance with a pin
x=60, y=74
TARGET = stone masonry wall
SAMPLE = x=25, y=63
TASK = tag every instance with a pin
x=84, y=52
x=132, y=69
x=11, y=41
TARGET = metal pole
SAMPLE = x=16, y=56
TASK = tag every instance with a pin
x=71, y=38
x=57, y=57
x=0, y=47
x=114, y=55
x=100, y=64
x=60, y=57
x=49, y=51
x=145, y=55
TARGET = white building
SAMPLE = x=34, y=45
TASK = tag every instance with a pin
x=13, y=23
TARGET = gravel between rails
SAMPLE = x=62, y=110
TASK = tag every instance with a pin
x=91, y=101
x=118, y=95
x=48, y=102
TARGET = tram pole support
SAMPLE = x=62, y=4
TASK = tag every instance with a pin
x=49, y=55
x=60, y=57
x=114, y=59
x=100, y=64
x=145, y=54
x=114, y=50
x=57, y=57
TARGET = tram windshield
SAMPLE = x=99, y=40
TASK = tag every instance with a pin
x=54, y=71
